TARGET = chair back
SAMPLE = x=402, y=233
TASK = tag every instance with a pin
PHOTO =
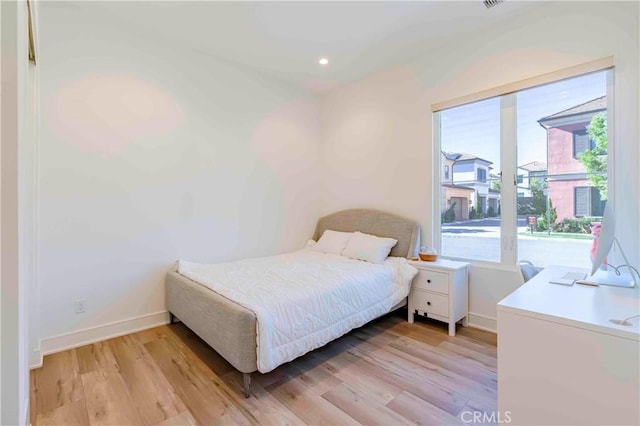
x=528, y=270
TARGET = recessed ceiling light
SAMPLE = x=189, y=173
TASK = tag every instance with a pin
x=323, y=61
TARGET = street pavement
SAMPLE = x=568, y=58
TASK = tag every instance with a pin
x=480, y=240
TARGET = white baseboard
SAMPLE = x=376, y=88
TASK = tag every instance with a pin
x=25, y=415
x=35, y=361
x=86, y=336
x=483, y=322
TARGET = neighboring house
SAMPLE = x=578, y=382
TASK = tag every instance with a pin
x=569, y=189
x=473, y=172
x=535, y=171
x=451, y=193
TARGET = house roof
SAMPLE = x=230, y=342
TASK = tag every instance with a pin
x=594, y=105
x=453, y=185
x=534, y=166
x=463, y=156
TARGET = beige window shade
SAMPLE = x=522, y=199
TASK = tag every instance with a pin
x=574, y=71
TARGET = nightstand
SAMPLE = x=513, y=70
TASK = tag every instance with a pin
x=441, y=291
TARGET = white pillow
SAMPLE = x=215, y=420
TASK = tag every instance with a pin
x=369, y=247
x=332, y=242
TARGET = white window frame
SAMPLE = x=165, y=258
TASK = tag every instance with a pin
x=508, y=151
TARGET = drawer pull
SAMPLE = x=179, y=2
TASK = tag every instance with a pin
x=429, y=303
x=429, y=281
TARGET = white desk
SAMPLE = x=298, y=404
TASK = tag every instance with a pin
x=560, y=359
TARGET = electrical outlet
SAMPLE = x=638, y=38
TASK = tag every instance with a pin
x=80, y=305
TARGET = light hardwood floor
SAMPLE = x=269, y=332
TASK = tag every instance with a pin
x=388, y=372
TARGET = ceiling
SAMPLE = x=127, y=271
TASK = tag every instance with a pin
x=286, y=39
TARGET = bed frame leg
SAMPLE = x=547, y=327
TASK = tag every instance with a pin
x=172, y=318
x=246, y=380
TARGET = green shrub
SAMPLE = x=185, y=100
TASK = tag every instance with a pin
x=576, y=225
x=474, y=213
x=449, y=215
x=541, y=224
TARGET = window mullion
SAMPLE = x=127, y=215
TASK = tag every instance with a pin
x=508, y=155
x=433, y=232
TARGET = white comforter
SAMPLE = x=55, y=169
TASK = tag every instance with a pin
x=305, y=299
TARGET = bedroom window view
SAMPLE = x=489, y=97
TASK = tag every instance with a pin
x=470, y=181
x=562, y=155
x=560, y=173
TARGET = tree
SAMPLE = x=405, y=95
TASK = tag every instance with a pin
x=539, y=200
x=595, y=160
x=543, y=224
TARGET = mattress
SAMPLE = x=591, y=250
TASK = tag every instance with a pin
x=305, y=299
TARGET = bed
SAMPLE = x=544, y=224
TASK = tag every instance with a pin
x=231, y=329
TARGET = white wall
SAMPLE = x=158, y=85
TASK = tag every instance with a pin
x=150, y=153
x=14, y=294
x=386, y=118
x=27, y=202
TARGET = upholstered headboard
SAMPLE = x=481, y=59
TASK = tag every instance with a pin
x=375, y=222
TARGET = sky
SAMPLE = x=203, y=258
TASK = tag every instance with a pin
x=475, y=128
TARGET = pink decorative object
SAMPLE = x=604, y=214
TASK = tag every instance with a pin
x=596, y=227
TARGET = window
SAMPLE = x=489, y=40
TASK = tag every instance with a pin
x=446, y=172
x=582, y=200
x=471, y=139
x=482, y=175
x=581, y=142
x=564, y=111
x=587, y=202
x=541, y=130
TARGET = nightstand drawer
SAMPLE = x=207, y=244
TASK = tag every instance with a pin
x=431, y=281
x=430, y=302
